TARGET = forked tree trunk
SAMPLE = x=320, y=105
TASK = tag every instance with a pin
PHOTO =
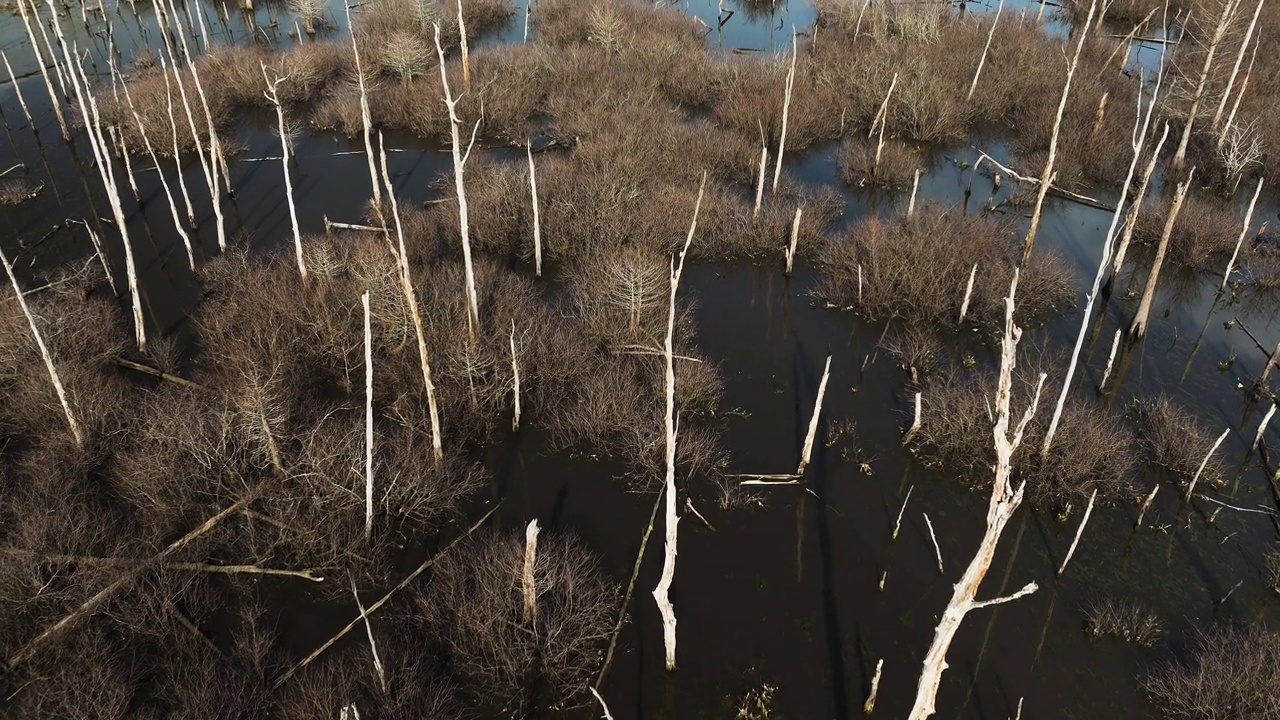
x=1046, y=177
x=459, y=160
x=72, y=423
x=662, y=593
x=1004, y=501
x=373, y=646
x=411, y=300
x=273, y=95
x=1138, y=327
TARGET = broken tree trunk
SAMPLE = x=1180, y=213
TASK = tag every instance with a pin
x=1088, y=510
x=528, y=582
x=1248, y=219
x=813, y=421
x=1004, y=501
x=786, y=111
x=1048, y=175
x=1138, y=327
x=72, y=423
x=515, y=380
x=662, y=593
x=537, y=220
x=795, y=237
x=983, y=60
x=1191, y=487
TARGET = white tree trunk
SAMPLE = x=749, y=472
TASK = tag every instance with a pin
x=937, y=551
x=968, y=293
x=373, y=646
x=365, y=120
x=537, y=220
x=274, y=97
x=459, y=160
x=1047, y=176
x=1235, y=70
x=1191, y=488
x=368, y=419
x=1131, y=219
x=983, y=60
x=528, y=581
x=915, y=187
x=764, y=163
x=18, y=91
x=44, y=73
x=466, y=55
x=813, y=421
x=1004, y=500
x=869, y=706
x=1248, y=220
x=168, y=193
x=1141, y=126
x=515, y=379
x=1111, y=359
x=897, y=525
x=411, y=300
x=1088, y=510
x=72, y=423
x=786, y=112
x=1139, y=326
x=1219, y=32
x=1262, y=427
x=795, y=237
x=662, y=593
x=177, y=152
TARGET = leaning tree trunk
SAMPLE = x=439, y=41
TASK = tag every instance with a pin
x=1139, y=326
x=1219, y=33
x=1235, y=69
x=273, y=95
x=1046, y=177
x=1004, y=500
x=365, y=119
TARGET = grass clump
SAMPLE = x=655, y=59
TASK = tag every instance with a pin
x=859, y=167
x=1124, y=620
x=1204, y=233
x=1175, y=440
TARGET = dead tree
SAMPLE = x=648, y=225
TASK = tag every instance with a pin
x=1131, y=219
x=368, y=419
x=459, y=161
x=1141, y=125
x=1046, y=177
x=273, y=95
x=1004, y=501
x=1138, y=327
x=1235, y=69
x=1202, y=85
x=786, y=111
x=813, y=420
x=365, y=119
x=411, y=301
x=1248, y=220
x=983, y=60
x=72, y=423
x=537, y=220
x=662, y=593
x=44, y=72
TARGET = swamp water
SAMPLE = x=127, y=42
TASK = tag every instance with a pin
x=784, y=594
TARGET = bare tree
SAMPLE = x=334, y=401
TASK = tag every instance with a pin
x=1240, y=148
x=459, y=162
x=405, y=55
x=662, y=593
x=1004, y=501
x=1202, y=84
x=273, y=95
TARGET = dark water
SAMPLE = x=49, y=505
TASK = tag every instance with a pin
x=788, y=593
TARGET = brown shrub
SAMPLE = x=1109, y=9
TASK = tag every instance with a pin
x=15, y=191
x=896, y=168
x=1204, y=234
x=476, y=603
x=1233, y=673
x=1177, y=441
x=1092, y=450
x=917, y=268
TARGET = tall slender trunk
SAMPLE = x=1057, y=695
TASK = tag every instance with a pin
x=662, y=593
x=537, y=220
x=459, y=161
x=1139, y=326
x=983, y=60
x=1131, y=218
x=368, y=419
x=1235, y=69
x=365, y=119
x=1248, y=220
x=273, y=95
x=1046, y=177
x=72, y=423
x=1219, y=32
x=54, y=100
x=786, y=112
